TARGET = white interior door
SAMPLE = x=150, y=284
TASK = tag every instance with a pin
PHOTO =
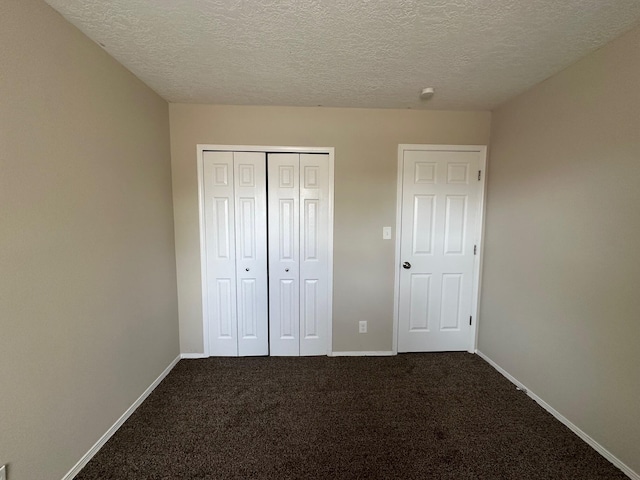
x=251, y=252
x=440, y=199
x=220, y=252
x=234, y=197
x=314, y=253
x=298, y=253
x=284, y=253
x=266, y=256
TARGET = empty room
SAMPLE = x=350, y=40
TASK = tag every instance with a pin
x=326, y=240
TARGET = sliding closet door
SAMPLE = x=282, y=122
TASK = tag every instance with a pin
x=314, y=253
x=234, y=198
x=298, y=253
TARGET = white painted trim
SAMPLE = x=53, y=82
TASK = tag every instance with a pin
x=261, y=148
x=477, y=280
x=398, y=240
x=188, y=356
x=482, y=149
x=362, y=354
x=574, y=428
x=203, y=256
x=114, y=428
x=331, y=152
x=201, y=148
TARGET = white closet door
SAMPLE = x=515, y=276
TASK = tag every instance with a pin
x=244, y=316
x=236, y=253
x=298, y=253
x=251, y=252
x=284, y=251
x=220, y=252
x=314, y=255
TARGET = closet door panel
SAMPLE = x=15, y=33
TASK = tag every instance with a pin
x=219, y=213
x=251, y=253
x=314, y=242
x=284, y=250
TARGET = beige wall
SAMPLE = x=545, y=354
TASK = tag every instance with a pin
x=560, y=302
x=88, y=308
x=366, y=143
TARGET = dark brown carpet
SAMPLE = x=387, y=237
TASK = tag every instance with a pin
x=414, y=416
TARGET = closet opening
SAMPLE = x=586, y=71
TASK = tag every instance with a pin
x=266, y=248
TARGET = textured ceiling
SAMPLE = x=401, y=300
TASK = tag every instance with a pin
x=348, y=53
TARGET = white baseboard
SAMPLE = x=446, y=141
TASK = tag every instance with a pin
x=109, y=433
x=596, y=446
x=362, y=354
x=332, y=354
x=193, y=355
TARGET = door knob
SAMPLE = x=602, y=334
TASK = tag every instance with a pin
x=286, y=269
x=246, y=269
x=406, y=265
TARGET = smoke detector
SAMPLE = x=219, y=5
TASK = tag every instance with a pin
x=427, y=93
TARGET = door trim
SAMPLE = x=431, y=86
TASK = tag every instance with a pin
x=201, y=148
x=479, y=235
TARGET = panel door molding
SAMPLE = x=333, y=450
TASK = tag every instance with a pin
x=438, y=247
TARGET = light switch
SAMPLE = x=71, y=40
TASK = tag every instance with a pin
x=386, y=233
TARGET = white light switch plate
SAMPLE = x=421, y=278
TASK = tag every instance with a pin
x=386, y=233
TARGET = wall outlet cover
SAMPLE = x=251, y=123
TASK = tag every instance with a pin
x=362, y=326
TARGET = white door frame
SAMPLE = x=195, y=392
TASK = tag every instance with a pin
x=201, y=148
x=479, y=234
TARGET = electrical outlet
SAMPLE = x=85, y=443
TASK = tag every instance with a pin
x=3, y=472
x=362, y=326
x=386, y=233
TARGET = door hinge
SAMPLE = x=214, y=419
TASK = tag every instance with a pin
x=479, y=174
x=475, y=249
x=470, y=320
